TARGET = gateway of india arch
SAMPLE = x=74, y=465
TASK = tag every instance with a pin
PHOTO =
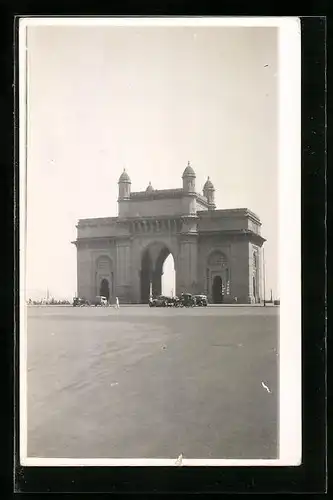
x=215, y=252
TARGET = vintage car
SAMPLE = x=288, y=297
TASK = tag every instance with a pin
x=80, y=302
x=174, y=302
x=100, y=301
x=160, y=301
x=187, y=300
x=170, y=301
x=201, y=300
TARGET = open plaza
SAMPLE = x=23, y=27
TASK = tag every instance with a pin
x=137, y=382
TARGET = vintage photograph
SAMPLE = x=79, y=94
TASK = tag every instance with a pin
x=151, y=198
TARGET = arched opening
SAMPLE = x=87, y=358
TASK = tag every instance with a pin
x=105, y=289
x=169, y=277
x=217, y=290
x=104, y=283
x=157, y=274
x=218, y=277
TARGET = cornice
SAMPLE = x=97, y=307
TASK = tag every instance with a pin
x=193, y=235
x=166, y=193
x=243, y=233
x=156, y=194
x=203, y=200
x=95, y=222
x=99, y=239
x=230, y=213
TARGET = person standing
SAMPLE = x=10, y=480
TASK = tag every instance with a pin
x=117, y=303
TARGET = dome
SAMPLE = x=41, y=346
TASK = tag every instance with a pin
x=208, y=184
x=189, y=172
x=124, y=177
x=149, y=188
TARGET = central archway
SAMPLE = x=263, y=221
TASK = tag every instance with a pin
x=152, y=270
x=169, y=276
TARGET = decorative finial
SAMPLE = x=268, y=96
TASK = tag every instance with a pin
x=208, y=178
x=188, y=163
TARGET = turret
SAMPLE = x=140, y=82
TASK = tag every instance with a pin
x=189, y=179
x=209, y=193
x=124, y=184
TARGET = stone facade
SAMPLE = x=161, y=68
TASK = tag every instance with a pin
x=216, y=252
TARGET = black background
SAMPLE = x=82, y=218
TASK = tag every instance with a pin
x=310, y=477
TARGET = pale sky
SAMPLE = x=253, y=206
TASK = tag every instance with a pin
x=148, y=99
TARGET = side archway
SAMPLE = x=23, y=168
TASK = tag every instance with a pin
x=105, y=289
x=218, y=277
x=217, y=290
x=104, y=277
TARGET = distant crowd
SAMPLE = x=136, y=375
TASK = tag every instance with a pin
x=48, y=302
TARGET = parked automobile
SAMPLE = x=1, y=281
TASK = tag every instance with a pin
x=79, y=302
x=174, y=301
x=76, y=301
x=187, y=300
x=170, y=301
x=100, y=301
x=201, y=300
x=159, y=301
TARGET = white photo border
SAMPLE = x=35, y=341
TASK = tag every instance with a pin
x=289, y=161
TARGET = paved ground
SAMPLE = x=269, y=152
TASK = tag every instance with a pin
x=152, y=383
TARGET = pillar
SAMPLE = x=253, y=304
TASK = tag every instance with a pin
x=187, y=268
x=123, y=287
